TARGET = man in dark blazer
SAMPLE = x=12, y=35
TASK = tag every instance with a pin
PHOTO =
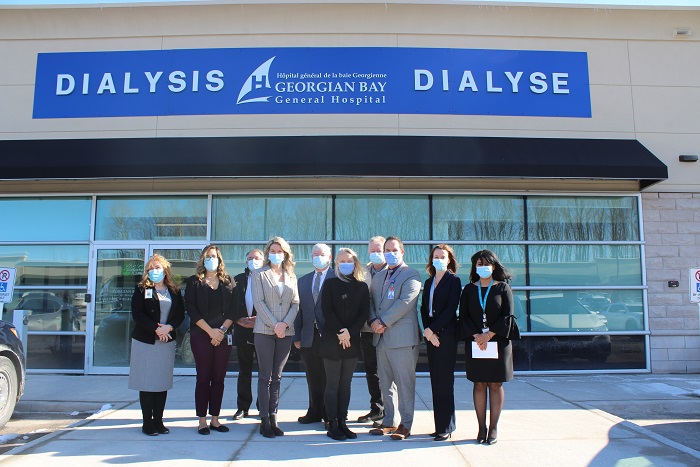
x=243, y=333
x=394, y=320
x=307, y=330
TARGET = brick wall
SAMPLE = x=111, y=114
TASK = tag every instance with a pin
x=672, y=234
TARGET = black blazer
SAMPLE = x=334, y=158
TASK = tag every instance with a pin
x=197, y=303
x=241, y=335
x=344, y=305
x=445, y=303
x=146, y=314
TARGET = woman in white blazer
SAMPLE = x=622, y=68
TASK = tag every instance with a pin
x=276, y=301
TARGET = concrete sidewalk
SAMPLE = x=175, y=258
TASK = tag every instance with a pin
x=598, y=420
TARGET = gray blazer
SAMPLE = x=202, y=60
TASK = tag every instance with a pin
x=310, y=313
x=272, y=307
x=400, y=314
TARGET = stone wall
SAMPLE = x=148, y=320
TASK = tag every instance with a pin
x=672, y=235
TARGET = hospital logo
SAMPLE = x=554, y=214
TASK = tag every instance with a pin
x=259, y=79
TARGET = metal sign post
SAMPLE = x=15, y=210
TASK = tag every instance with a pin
x=695, y=288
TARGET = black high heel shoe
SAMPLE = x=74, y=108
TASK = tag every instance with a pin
x=493, y=437
x=443, y=437
x=481, y=437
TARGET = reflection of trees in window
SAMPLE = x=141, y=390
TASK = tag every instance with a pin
x=154, y=219
x=478, y=218
x=583, y=219
x=257, y=218
x=360, y=218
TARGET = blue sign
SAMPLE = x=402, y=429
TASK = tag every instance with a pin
x=312, y=80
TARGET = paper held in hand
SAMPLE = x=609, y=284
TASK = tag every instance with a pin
x=490, y=352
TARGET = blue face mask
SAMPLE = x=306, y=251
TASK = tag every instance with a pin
x=392, y=258
x=156, y=275
x=320, y=262
x=376, y=258
x=346, y=268
x=276, y=258
x=484, y=271
x=211, y=264
x=440, y=264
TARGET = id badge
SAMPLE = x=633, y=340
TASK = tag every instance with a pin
x=229, y=338
x=148, y=293
x=390, y=294
x=484, y=330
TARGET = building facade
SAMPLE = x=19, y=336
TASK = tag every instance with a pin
x=551, y=135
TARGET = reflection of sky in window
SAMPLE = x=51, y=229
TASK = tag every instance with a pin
x=569, y=3
x=46, y=219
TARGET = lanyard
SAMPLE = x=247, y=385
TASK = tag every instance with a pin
x=482, y=301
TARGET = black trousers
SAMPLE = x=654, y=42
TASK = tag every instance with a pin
x=246, y=352
x=369, y=357
x=315, y=377
x=338, y=382
x=442, y=361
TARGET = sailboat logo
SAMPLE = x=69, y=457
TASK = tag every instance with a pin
x=259, y=79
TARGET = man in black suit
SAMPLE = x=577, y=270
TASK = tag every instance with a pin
x=307, y=330
x=243, y=333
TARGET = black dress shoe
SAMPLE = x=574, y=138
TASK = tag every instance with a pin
x=493, y=437
x=149, y=430
x=240, y=413
x=371, y=416
x=220, y=428
x=481, y=437
x=306, y=419
x=443, y=436
x=162, y=430
x=203, y=431
x=434, y=434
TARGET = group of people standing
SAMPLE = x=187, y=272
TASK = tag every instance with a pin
x=333, y=316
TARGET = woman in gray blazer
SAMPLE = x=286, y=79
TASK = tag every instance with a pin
x=276, y=301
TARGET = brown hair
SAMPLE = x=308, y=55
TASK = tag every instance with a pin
x=220, y=270
x=452, y=263
x=146, y=281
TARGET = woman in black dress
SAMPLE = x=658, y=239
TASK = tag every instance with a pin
x=345, y=305
x=439, y=315
x=485, y=303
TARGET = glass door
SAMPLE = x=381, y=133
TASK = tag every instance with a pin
x=117, y=271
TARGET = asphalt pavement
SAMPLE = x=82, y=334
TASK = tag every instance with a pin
x=581, y=420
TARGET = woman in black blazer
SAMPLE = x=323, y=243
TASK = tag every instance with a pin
x=345, y=305
x=158, y=309
x=439, y=315
x=211, y=300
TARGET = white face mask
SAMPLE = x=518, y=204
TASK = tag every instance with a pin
x=484, y=271
x=254, y=264
x=320, y=262
x=211, y=264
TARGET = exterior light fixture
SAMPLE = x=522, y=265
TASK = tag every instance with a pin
x=688, y=158
x=682, y=33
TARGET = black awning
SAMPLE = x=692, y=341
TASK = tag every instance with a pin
x=313, y=156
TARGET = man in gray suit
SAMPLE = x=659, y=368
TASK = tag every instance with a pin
x=307, y=330
x=394, y=320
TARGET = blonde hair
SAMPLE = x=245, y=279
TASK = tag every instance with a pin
x=221, y=273
x=288, y=263
x=359, y=271
x=146, y=281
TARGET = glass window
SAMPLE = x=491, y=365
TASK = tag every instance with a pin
x=623, y=310
x=152, y=218
x=562, y=311
x=478, y=218
x=47, y=264
x=46, y=219
x=585, y=265
x=511, y=256
x=582, y=218
x=295, y=218
x=363, y=217
x=50, y=310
